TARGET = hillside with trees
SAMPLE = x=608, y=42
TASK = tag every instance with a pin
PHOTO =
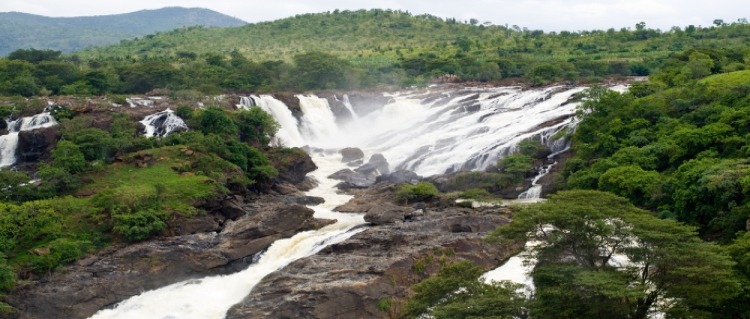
x=24, y=31
x=353, y=50
x=658, y=175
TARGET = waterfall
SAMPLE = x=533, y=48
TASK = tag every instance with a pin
x=8, y=145
x=432, y=131
x=9, y=142
x=288, y=134
x=163, y=123
x=429, y=131
x=318, y=122
x=349, y=107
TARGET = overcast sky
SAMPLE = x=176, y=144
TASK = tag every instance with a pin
x=549, y=15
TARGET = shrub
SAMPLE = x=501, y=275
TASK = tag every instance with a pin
x=140, y=225
x=420, y=192
x=475, y=193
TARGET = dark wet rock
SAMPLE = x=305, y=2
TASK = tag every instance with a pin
x=37, y=144
x=364, y=103
x=304, y=200
x=379, y=161
x=399, y=177
x=338, y=108
x=307, y=184
x=352, y=180
x=367, y=169
x=292, y=102
x=284, y=188
x=351, y=154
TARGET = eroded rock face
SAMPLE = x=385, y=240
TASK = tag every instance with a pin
x=120, y=272
x=37, y=144
x=347, y=280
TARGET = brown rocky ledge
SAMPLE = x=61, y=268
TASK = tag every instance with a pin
x=347, y=280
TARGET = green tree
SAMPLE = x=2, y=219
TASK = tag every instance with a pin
x=256, y=127
x=631, y=182
x=68, y=156
x=317, y=70
x=213, y=120
x=611, y=257
x=457, y=292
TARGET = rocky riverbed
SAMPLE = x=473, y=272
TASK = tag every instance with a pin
x=348, y=280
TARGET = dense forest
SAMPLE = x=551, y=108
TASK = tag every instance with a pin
x=659, y=174
x=348, y=50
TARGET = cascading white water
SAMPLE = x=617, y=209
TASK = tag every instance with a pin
x=9, y=142
x=211, y=297
x=318, y=121
x=162, y=123
x=288, y=134
x=348, y=105
x=429, y=132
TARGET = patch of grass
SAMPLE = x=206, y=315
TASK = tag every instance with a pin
x=176, y=191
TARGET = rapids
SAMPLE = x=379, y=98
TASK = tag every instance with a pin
x=430, y=132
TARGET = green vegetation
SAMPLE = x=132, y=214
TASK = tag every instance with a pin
x=362, y=49
x=675, y=145
x=457, y=292
x=124, y=187
x=421, y=191
x=576, y=276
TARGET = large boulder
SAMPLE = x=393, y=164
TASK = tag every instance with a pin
x=386, y=213
x=378, y=161
x=352, y=180
x=351, y=154
x=293, y=164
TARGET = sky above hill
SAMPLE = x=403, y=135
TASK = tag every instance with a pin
x=548, y=15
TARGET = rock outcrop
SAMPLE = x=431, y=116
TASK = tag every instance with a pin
x=293, y=164
x=119, y=272
x=36, y=145
x=354, y=180
x=347, y=280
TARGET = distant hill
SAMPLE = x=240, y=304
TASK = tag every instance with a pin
x=23, y=31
